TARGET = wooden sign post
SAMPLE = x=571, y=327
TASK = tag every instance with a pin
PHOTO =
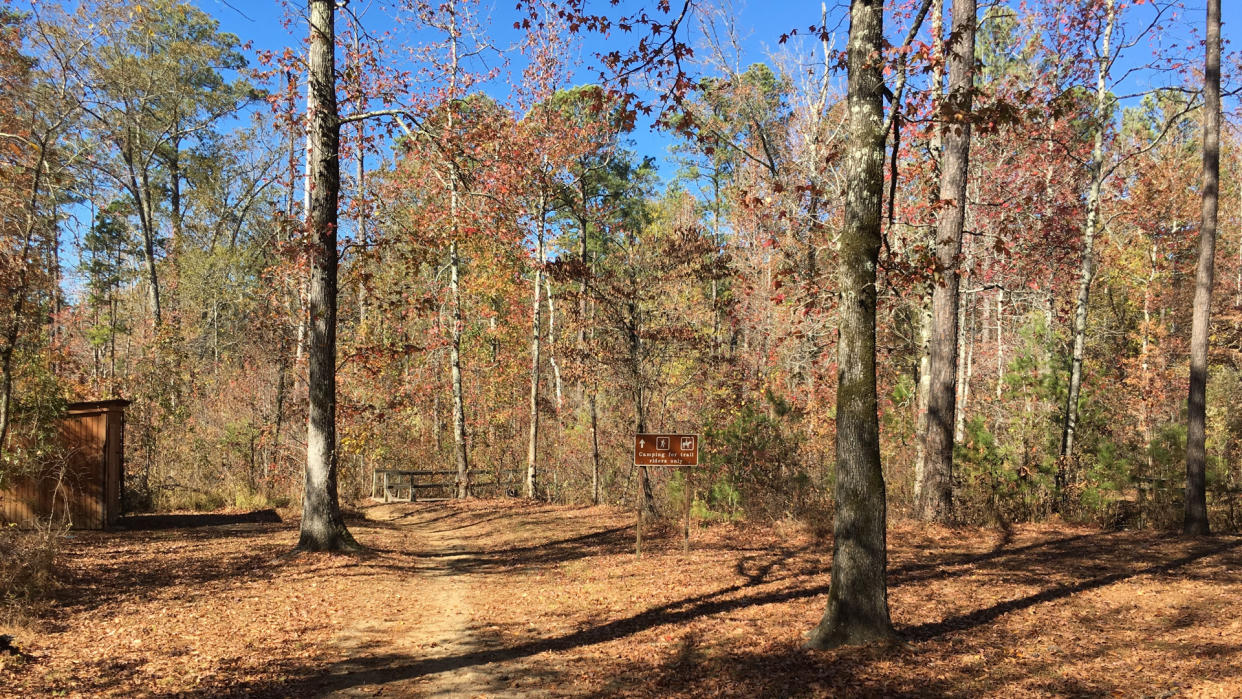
x=638, y=528
x=680, y=450
x=685, y=534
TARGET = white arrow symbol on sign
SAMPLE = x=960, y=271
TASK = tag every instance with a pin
x=642, y=443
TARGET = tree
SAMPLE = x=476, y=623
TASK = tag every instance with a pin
x=323, y=527
x=1096, y=170
x=543, y=138
x=857, y=609
x=22, y=174
x=936, y=499
x=149, y=81
x=1196, y=522
x=36, y=112
x=453, y=176
x=594, y=180
x=568, y=138
x=1098, y=26
x=628, y=282
x=457, y=24
x=105, y=248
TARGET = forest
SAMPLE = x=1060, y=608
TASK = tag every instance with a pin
x=918, y=273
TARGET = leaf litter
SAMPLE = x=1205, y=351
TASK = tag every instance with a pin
x=504, y=598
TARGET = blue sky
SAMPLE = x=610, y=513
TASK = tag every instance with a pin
x=760, y=26
x=261, y=23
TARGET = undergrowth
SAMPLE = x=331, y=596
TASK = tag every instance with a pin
x=28, y=567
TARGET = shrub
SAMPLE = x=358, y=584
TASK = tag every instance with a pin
x=28, y=559
x=757, y=459
x=993, y=486
x=721, y=502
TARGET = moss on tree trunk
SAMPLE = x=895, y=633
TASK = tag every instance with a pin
x=857, y=609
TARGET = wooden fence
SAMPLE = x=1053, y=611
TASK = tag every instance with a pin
x=400, y=485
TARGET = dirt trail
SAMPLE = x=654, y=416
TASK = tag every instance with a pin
x=441, y=626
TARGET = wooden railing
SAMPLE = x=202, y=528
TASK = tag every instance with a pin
x=400, y=485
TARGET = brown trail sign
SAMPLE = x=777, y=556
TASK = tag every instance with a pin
x=666, y=450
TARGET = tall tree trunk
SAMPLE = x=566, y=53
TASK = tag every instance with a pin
x=968, y=364
x=283, y=361
x=460, y=447
x=716, y=238
x=857, y=609
x=112, y=304
x=360, y=220
x=557, y=385
x=96, y=371
x=1196, y=522
x=925, y=312
x=1000, y=344
x=966, y=298
x=584, y=257
x=1237, y=294
x=920, y=400
x=594, y=449
x=18, y=298
x=307, y=166
x=1087, y=272
x=148, y=257
x=278, y=418
x=963, y=339
x=174, y=190
x=936, y=503
x=644, y=478
x=536, y=332
x=590, y=393
x=1145, y=421
x=293, y=143
x=57, y=291
x=360, y=164
x=323, y=528
x=138, y=184
x=437, y=427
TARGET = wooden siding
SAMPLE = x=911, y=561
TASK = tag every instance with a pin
x=86, y=489
x=114, y=466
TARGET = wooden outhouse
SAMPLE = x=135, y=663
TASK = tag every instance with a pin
x=86, y=490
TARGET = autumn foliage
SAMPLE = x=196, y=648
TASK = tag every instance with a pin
x=694, y=293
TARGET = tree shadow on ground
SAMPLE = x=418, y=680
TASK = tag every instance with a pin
x=434, y=520
x=145, y=561
x=817, y=670
x=1056, y=568
x=979, y=617
x=500, y=561
x=872, y=671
